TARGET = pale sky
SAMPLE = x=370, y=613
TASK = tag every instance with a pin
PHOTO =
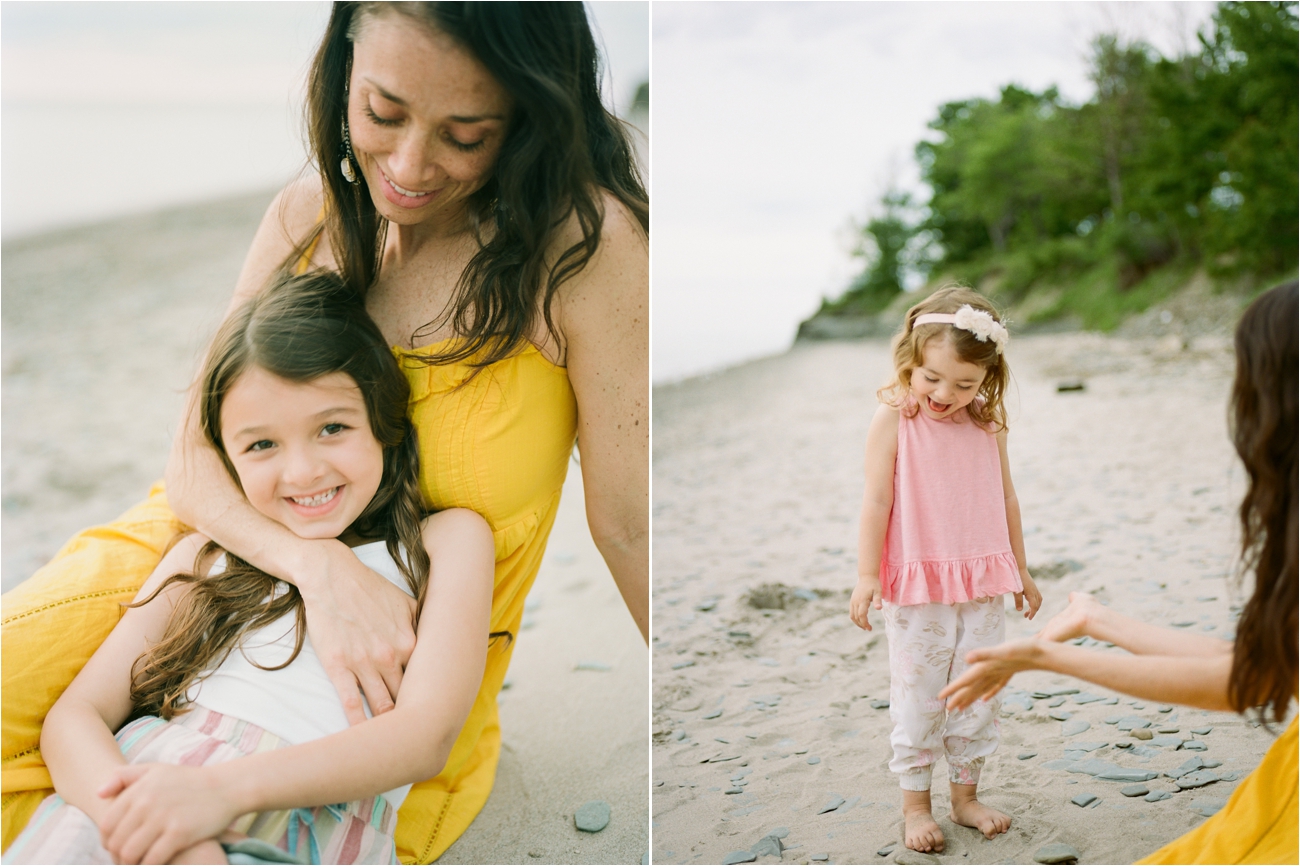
x=775, y=124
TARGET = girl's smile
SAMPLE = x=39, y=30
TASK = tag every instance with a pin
x=944, y=384
x=304, y=451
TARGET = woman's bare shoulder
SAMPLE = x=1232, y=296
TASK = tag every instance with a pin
x=290, y=219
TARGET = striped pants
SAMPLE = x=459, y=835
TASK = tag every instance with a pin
x=356, y=832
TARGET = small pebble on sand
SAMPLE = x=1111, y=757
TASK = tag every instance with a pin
x=879, y=704
x=887, y=850
x=1157, y=796
x=1025, y=756
x=1135, y=790
x=1200, y=732
x=1083, y=799
x=814, y=760
x=739, y=857
x=1057, y=852
x=1060, y=715
x=592, y=816
x=831, y=805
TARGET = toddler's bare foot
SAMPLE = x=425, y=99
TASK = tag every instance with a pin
x=970, y=812
x=920, y=831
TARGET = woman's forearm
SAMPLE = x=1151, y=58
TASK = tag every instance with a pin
x=1141, y=638
x=628, y=559
x=1198, y=681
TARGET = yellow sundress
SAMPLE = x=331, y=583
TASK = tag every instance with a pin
x=497, y=443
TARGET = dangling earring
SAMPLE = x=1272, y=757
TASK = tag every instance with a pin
x=345, y=164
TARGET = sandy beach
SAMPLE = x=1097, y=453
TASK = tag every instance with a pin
x=102, y=329
x=768, y=704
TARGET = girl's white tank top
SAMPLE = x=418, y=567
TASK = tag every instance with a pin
x=297, y=703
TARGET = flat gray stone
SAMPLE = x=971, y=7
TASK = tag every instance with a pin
x=768, y=846
x=1212, y=764
x=780, y=832
x=1230, y=776
x=1083, y=799
x=1194, y=746
x=1085, y=746
x=831, y=805
x=1060, y=715
x=1074, y=726
x=739, y=857
x=1157, y=796
x=1162, y=742
x=689, y=663
x=819, y=857
x=1202, y=731
x=1135, y=790
x=1132, y=723
x=735, y=790
x=879, y=704
x=1198, y=779
x=713, y=715
x=1053, y=693
x=887, y=850
x=1207, y=807
x=1164, y=709
x=1055, y=702
x=1057, y=852
x=1168, y=729
x=1025, y=756
x=1112, y=720
x=592, y=816
x=1124, y=774
x=1087, y=698
x=814, y=760
x=1123, y=745
x=1189, y=766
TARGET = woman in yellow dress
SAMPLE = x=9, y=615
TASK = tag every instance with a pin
x=471, y=180
x=1259, y=668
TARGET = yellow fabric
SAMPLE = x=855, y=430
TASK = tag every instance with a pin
x=1258, y=824
x=497, y=443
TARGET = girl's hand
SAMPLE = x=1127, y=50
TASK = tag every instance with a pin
x=361, y=627
x=1030, y=594
x=159, y=810
x=990, y=669
x=866, y=595
x=1074, y=621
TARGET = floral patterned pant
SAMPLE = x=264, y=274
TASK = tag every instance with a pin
x=927, y=648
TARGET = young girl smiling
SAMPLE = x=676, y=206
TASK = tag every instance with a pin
x=226, y=723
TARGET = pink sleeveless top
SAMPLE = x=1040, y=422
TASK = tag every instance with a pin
x=947, y=539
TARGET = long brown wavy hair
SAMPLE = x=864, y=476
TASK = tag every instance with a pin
x=300, y=328
x=1263, y=422
x=909, y=353
x=562, y=151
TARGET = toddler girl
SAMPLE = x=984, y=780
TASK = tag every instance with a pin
x=227, y=725
x=939, y=544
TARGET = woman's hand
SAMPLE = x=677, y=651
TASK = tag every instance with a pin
x=361, y=627
x=159, y=810
x=866, y=595
x=1075, y=621
x=1030, y=595
x=990, y=669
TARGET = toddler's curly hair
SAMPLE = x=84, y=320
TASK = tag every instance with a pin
x=909, y=353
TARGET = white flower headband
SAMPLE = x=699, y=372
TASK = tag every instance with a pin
x=978, y=322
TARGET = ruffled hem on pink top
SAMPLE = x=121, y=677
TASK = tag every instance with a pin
x=951, y=582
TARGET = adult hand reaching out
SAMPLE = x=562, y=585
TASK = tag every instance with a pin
x=990, y=669
x=361, y=626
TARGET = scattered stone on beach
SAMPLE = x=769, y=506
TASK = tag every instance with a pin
x=1207, y=807
x=1132, y=723
x=820, y=857
x=1087, y=698
x=1212, y=764
x=1202, y=731
x=1063, y=387
x=1060, y=715
x=1230, y=776
x=739, y=857
x=1124, y=774
x=1157, y=796
x=689, y=663
x=887, y=850
x=592, y=816
x=1191, y=765
x=814, y=760
x=831, y=805
x=1074, y=726
x=768, y=846
x=1055, y=702
x=1057, y=852
x=1025, y=756
x=1085, y=746
x=734, y=790
x=1185, y=623
x=1083, y=799
x=1194, y=746
x=1165, y=709
x=1123, y=745
x=1112, y=720
x=1168, y=729
x=779, y=832
x=1135, y=790
x=707, y=605
x=1162, y=742
x=1140, y=734
x=879, y=703
x=713, y=715
x=1057, y=692
x=1198, y=779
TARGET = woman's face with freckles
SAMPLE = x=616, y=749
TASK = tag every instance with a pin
x=427, y=119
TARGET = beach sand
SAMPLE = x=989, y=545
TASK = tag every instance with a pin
x=1128, y=490
x=102, y=329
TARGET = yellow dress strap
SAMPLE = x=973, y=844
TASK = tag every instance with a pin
x=304, y=261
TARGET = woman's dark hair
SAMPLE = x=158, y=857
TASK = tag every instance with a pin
x=1263, y=423
x=299, y=329
x=562, y=152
